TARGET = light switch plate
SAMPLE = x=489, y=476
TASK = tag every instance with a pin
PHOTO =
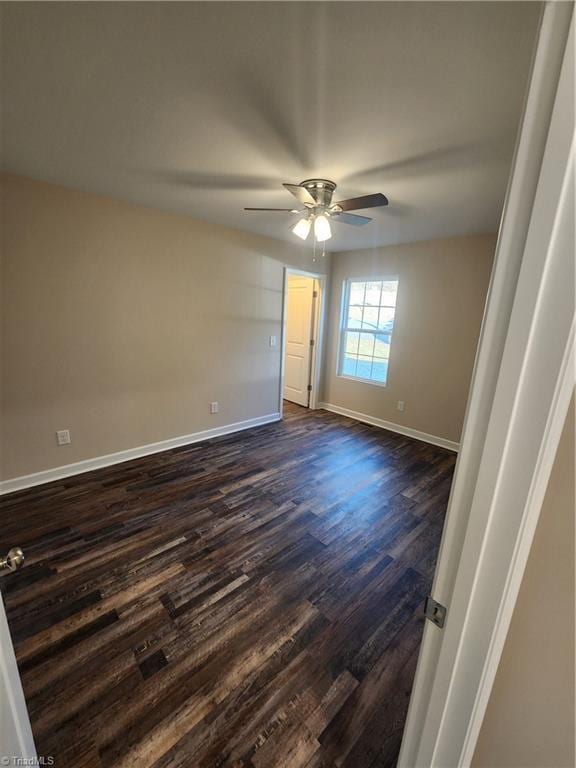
x=272, y=341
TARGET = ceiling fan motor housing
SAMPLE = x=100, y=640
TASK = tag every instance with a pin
x=320, y=189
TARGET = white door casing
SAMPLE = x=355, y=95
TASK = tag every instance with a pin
x=523, y=379
x=299, y=329
x=16, y=740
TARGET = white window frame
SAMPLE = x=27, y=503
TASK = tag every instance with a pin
x=342, y=328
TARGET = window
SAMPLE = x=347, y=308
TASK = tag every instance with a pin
x=368, y=308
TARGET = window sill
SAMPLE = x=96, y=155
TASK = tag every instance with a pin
x=361, y=381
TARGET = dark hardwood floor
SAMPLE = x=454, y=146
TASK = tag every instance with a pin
x=253, y=601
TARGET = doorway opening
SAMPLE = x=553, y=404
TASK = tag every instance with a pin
x=301, y=338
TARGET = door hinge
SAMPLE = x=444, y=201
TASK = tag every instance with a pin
x=309, y=387
x=434, y=611
x=315, y=295
x=311, y=342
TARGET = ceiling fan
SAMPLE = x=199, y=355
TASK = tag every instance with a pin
x=316, y=197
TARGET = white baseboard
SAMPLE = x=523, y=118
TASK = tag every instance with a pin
x=68, y=470
x=401, y=430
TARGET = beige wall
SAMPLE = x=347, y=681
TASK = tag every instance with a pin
x=441, y=296
x=530, y=718
x=122, y=323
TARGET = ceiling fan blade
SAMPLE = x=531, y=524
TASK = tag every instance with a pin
x=351, y=218
x=366, y=201
x=286, y=210
x=300, y=193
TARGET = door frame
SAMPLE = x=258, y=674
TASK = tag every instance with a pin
x=17, y=720
x=523, y=380
x=318, y=326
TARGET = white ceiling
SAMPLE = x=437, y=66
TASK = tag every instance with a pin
x=204, y=108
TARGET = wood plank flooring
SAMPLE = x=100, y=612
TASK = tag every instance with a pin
x=254, y=601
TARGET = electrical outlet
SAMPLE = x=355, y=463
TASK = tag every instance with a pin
x=400, y=405
x=272, y=341
x=214, y=407
x=63, y=437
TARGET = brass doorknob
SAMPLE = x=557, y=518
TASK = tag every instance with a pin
x=13, y=560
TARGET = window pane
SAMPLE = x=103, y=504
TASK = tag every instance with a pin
x=386, y=319
x=382, y=346
x=364, y=367
x=351, y=343
x=380, y=371
x=357, y=293
x=366, y=344
x=349, y=365
x=370, y=318
x=354, y=317
x=373, y=291
x=389, y=291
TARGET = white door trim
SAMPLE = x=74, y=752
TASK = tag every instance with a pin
x=524, y=419
x=15, y=731
x=318, y=335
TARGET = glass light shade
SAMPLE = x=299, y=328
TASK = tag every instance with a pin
x=302, y=228
x=322, y=229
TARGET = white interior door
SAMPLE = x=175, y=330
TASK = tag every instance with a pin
x=16, y=742
x=299, y=328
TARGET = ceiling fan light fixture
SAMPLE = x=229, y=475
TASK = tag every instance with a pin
x=322, y=230
x=302, y=228
x=314, y=197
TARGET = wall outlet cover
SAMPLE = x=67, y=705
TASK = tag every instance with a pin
x=63, y=437
x=214, y=407
x=400, y=405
